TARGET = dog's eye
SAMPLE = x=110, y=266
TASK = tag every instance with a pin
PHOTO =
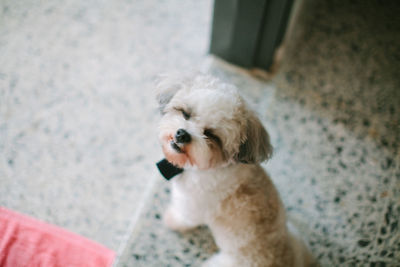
x=185, y=114
x=209, y=134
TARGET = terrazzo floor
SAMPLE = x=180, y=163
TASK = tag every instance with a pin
x=78, y=123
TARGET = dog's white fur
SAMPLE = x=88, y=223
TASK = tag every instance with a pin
x=223, y=185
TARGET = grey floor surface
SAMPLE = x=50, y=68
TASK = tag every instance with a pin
x=78, y=135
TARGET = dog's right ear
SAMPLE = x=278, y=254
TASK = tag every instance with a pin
x=166, y=88
x=168, y=85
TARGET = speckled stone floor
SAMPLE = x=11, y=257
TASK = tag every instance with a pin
x=78, y=123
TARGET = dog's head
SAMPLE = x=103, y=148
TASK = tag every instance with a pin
x=206, y=123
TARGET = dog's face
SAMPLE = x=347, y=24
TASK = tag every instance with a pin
x=206, y=124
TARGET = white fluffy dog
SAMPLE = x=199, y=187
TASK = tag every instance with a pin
x=208, y=131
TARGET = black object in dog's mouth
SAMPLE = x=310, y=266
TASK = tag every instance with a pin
x=176, y=147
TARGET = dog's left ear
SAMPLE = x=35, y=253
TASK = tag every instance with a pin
x=256, y=147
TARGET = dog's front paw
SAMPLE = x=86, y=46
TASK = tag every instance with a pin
x=175, y=222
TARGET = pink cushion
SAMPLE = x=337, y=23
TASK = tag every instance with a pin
x=25, y=241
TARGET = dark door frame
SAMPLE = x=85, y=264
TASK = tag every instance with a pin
x=247, y=32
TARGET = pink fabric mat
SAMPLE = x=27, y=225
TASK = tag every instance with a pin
x=25, y=241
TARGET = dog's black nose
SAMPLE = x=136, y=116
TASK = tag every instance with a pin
x=182, y=136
